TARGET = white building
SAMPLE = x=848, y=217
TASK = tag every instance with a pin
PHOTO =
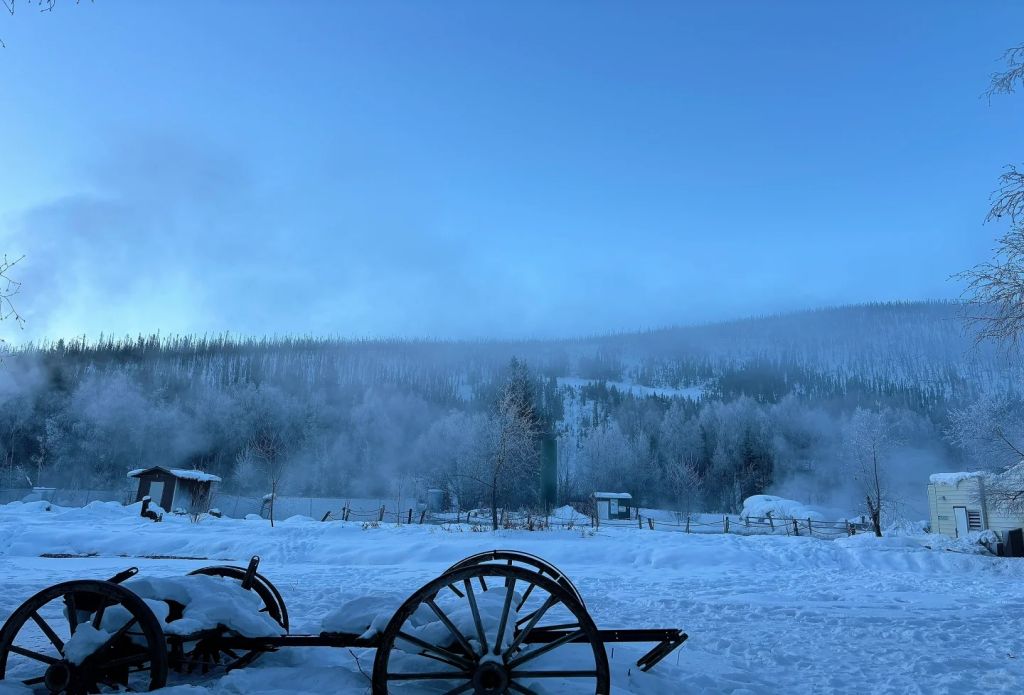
x=959, y=506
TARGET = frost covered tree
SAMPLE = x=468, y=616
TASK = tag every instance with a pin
x=990, y=431
x=684, y=483
x=511, y=437
x=868, y=442
x=608, y=460
x=995, y=289
x=274, y=432
x=266, y=452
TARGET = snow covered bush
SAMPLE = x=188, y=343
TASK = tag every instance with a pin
x=764, y=506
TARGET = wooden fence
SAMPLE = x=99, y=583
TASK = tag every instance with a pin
x=745, y=526
x=339, y=509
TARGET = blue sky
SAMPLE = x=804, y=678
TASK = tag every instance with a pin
x=492, y=169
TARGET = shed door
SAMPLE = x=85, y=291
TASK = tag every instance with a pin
x=156, y=493
x=960, y=516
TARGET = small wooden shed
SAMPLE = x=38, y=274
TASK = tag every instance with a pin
x=959, y=506
x=613, y=505
x=175, y=488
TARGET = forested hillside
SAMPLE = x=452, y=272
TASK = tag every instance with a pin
x=699, y=416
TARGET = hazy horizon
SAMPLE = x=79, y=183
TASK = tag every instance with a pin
x=484, y=171
x=95, y=337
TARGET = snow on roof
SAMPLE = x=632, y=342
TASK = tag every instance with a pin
x=195, y=475
x=614, y=495
x=953, y=479
x=180, y=473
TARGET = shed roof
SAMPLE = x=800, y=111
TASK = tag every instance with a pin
x=953, y=479
x=613, y=495
x=180, y=473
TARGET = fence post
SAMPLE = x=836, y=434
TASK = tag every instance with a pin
x=381, y=517
x=726, y=519
x=423, y=515
x=796, y=529
x=810, y=531
x=746, y=521
x=410, y=517
x=650, y=523
x=687, y=523
x=639, y=520
x=771, y=521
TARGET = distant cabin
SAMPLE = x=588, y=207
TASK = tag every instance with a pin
x=958, y=506
x=613, y=505
x=175, y=488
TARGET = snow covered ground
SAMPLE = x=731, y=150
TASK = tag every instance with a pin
x=765, y=614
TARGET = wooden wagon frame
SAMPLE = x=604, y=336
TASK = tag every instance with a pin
x=139, y=655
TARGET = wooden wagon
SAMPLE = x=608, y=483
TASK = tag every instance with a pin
x=497, y=622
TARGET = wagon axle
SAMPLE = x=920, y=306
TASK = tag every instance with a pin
x=496, y=622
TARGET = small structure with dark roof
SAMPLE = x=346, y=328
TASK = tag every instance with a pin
x=175, y=488
x=613, y=505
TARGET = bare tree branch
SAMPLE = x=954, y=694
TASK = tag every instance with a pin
x=994, y=294
x=9, y=287
x=43, y=5
x=1005, y=82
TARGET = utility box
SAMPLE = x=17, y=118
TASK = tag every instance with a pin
x=613, y=505
x=1015, y=543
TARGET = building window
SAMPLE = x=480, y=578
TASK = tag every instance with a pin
x=973, y=520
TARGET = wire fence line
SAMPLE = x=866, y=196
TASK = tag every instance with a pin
x=371, y=512
x=65, y=497
x=750, y=526
x=737, y=525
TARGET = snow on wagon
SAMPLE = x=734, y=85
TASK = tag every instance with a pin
x=497, y=622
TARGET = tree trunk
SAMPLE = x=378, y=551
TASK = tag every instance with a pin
x=875, y=510
x=273, y=498
x=494, y=505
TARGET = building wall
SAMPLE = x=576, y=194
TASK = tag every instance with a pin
x=193, y=495
x=933, y=515
x=969, y=493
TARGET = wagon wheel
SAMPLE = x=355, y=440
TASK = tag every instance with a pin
x=273, y=603
x=84, y=636
x=523, y=631
x=208, y=653
x=519, y=558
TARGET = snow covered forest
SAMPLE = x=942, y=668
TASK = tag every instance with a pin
x=696, y=418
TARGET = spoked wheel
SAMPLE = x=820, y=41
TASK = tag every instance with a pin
x=205, y=654
x=273, y=603
x=84, y=636
x=490, y=629
x=517, y=558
